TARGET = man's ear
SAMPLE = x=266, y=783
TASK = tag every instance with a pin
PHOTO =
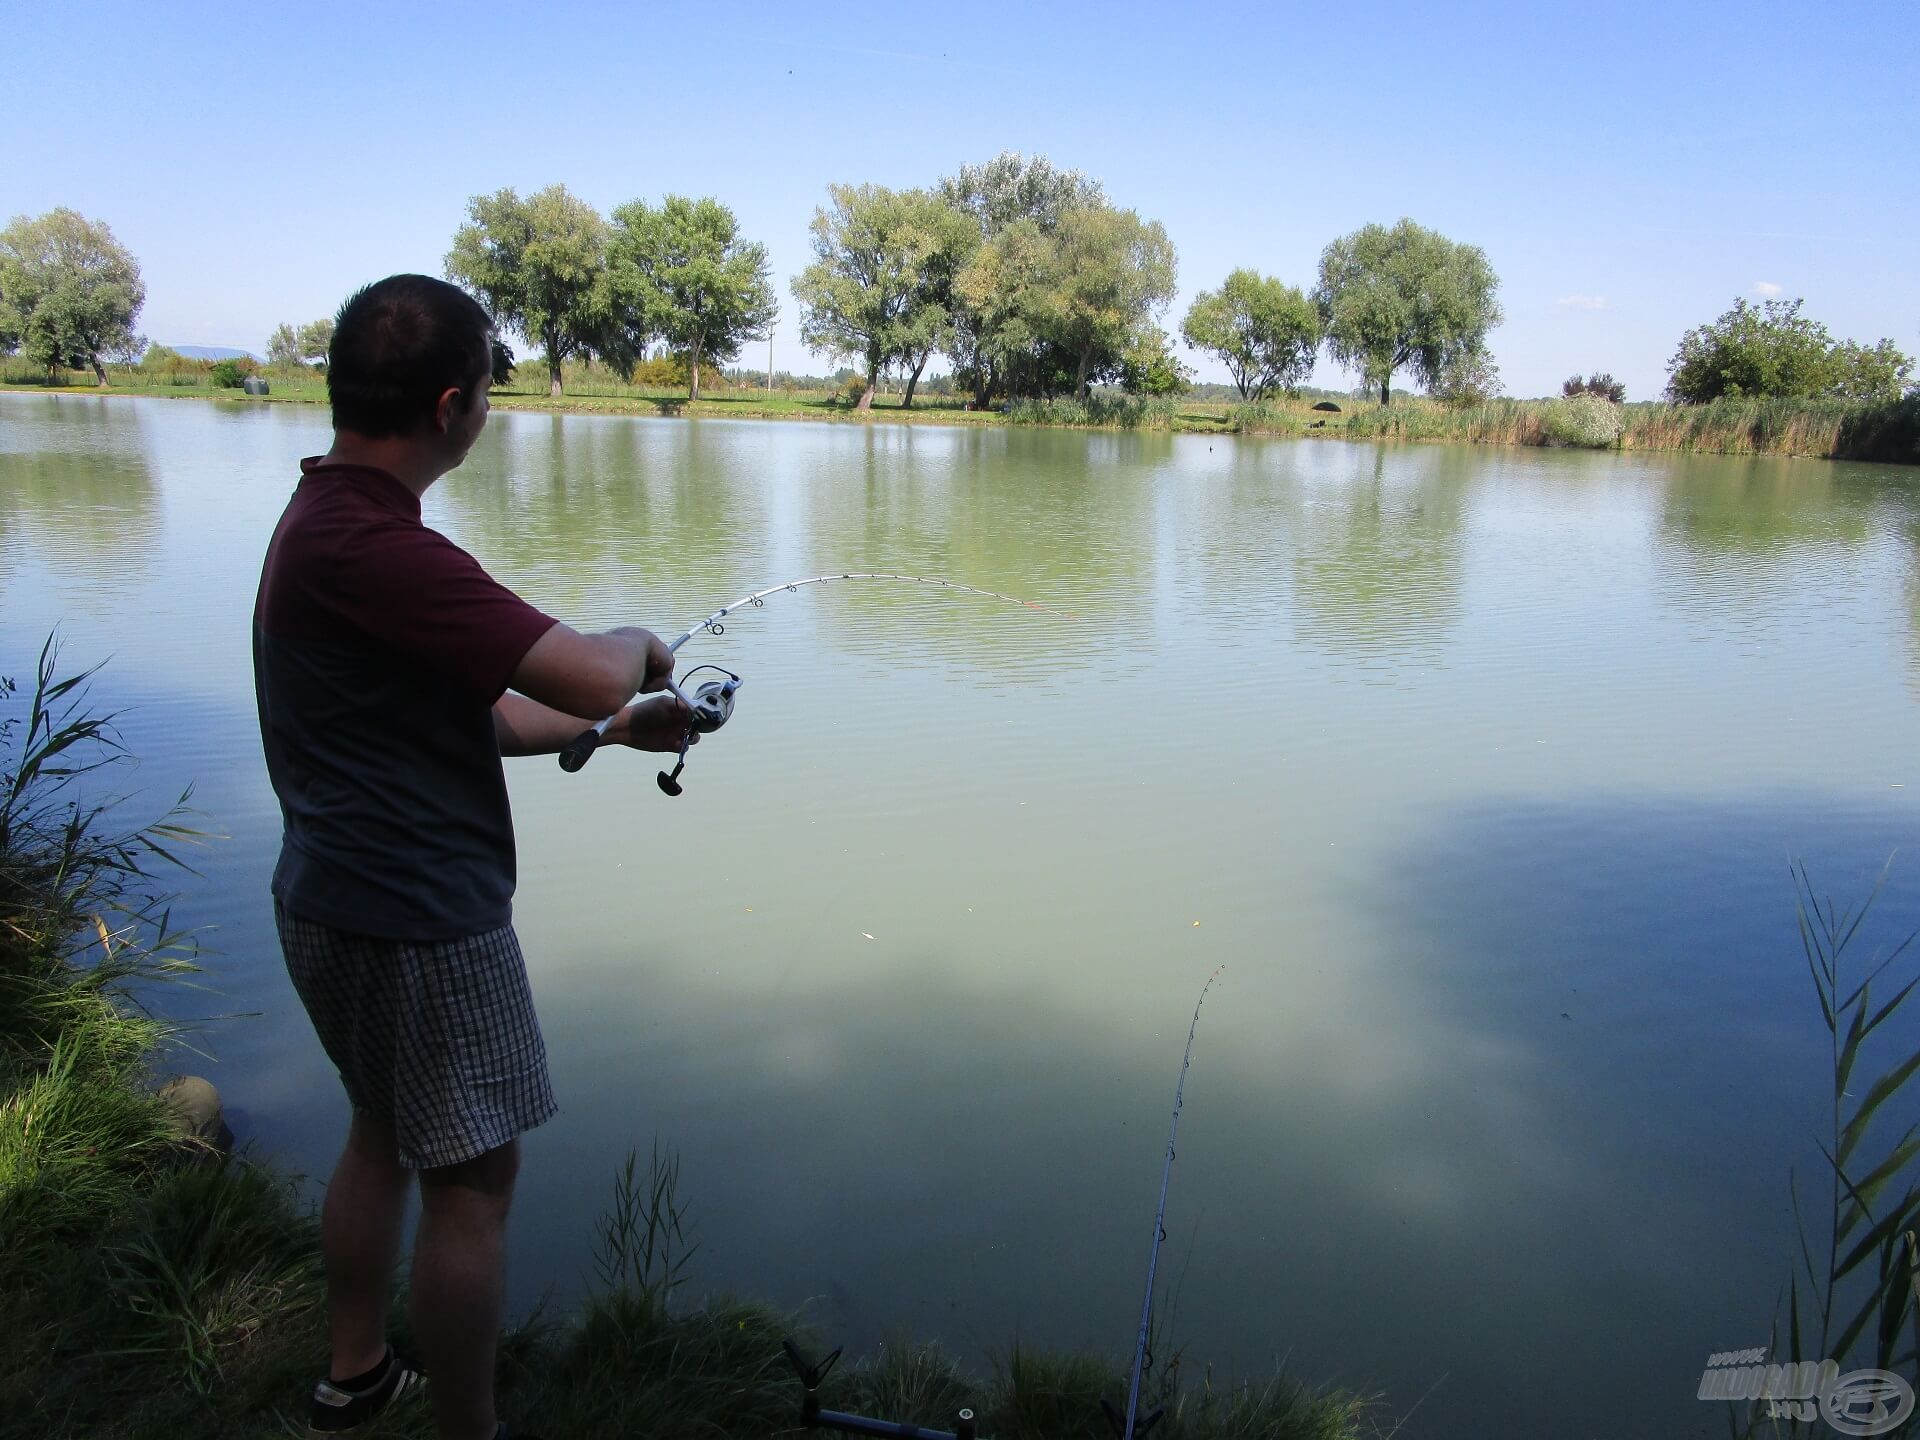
x=443, y=412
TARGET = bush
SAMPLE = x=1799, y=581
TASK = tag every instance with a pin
x=1599, y=383
x=1587, y=420
x=230, y=374
x=675, y=372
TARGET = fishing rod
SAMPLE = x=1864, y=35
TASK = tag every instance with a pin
x=711, y=704
x=812, y=1373
x=1133, y=1424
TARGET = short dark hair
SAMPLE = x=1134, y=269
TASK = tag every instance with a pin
x=398, y=344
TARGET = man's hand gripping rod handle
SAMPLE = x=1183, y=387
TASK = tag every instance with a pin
x=580, y=749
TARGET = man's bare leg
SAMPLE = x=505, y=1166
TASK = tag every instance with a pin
x=360, y=1240
x=459, y=1286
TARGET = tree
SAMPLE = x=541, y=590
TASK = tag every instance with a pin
x=69, y=292
x=314, y=342
x=873, y=292
x=306, y=346
x=1408, y=296
x=1110, y=272
x=1771, y=349
x=991, y=339
x=705, y=290
x=1151, y=368
x=1599, y=383
x=1000, y=296
x=1869, y=372
x=1265, y=332
x=1468, y=378
x=540, y=265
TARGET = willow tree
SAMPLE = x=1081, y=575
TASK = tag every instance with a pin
x=1110, y=273
x=705, y=290
x=540, y=265
x=1406, y=297
x=991, y=343
x=69, y=292
x=875, y=291
x=307, y=345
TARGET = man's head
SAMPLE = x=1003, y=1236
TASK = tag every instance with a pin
x=411, y=359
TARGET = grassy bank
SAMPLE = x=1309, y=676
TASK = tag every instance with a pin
x=151, y=1286
x=1886, y=431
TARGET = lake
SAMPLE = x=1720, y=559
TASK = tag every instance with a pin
x=1480, y=769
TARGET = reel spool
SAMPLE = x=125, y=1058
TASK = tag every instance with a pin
x=711, y=706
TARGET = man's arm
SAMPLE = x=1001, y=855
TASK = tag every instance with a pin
x=526, y=727
x=592, y=675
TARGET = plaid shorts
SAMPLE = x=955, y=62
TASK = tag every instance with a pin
x=436, y=1038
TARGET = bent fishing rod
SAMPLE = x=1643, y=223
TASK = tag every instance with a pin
x=711, y=704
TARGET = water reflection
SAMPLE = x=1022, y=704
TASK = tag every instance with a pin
x=915, y=951
x=1583, y=975
x=660, y=521
x=77, y=497
x=1377, y=561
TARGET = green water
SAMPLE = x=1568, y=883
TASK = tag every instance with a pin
x=1480, y=769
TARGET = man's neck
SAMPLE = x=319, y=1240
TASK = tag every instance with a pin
x=413, y=464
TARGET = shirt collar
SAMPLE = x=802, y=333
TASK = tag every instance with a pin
x=373, y=482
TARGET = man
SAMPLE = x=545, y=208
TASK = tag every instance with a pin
x=392, y=673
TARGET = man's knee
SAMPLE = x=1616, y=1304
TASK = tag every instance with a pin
x=370, y=1138
x=485, y=1181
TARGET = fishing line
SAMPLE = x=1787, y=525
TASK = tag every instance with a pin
x=711, y=704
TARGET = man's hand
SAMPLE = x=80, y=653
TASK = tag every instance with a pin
x=659, y=661
x=657, y=724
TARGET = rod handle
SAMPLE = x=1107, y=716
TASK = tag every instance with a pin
x=580, y=749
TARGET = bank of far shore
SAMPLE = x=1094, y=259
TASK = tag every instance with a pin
x=1882, y=431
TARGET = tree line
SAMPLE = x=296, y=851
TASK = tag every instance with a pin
x=1025, y=277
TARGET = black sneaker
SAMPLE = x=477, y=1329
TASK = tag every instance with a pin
x=337, y=1411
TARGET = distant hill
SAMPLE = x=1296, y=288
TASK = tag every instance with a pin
x=212, y=352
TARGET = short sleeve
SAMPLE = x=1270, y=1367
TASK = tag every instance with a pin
x=431, y=602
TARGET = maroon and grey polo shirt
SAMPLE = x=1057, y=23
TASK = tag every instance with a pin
x=379, y=649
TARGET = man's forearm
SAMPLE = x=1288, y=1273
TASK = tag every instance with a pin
x=526, y=727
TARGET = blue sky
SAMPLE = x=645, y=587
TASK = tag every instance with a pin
x=1629, y=169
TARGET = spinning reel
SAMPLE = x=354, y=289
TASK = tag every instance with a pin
x=710, y=706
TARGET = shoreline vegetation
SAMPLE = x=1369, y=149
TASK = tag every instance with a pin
x=1885, y=431
x=153, y=1285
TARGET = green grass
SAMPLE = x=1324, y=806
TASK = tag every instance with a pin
x=1887, y=431
x=1098, y=412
